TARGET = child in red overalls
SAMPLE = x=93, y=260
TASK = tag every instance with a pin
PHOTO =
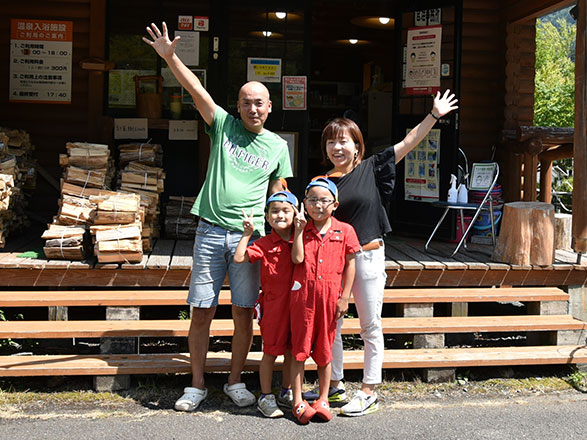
x=275, y=252
x=321, y=287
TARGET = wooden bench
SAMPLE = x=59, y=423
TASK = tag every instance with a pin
x=225, y=327
x=71, y=365
x=177, y=297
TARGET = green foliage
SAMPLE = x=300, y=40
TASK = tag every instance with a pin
x=555, y=74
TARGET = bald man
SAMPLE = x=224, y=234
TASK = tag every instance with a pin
x=246, y=160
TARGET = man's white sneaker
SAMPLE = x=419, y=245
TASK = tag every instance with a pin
x=268, y=406
x=360, y=405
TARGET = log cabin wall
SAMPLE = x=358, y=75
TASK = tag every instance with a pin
x=519, y=99
x=482, y=78
x=51, y=125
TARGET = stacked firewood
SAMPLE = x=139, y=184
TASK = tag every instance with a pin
x=148, y=154
x=6, y=187
x=16, y=161
x=180, y=223
x=65, y=242
x=141, y=173
x=117, y=228
x=87, y=172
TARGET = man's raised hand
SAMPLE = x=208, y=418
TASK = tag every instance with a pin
x=161, y=42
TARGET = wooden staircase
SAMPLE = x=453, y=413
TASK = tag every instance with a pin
x=556, y=337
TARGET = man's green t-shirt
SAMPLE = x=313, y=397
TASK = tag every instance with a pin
x=240, y=166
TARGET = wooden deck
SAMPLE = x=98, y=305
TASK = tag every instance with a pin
x=169, y=265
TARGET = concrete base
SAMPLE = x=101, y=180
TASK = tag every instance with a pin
x=438, y=375
x=548, y=308
x=112, y=383
x=117, y=346
x=416, y=310
x=578, y=302
x=429, y=341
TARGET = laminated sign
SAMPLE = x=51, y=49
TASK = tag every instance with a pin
x=40, y=61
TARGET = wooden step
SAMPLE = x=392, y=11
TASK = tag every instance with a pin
x=224, y=327
x=70, y=365
x=178, y=297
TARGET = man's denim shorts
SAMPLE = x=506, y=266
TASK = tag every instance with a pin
x=214, y=248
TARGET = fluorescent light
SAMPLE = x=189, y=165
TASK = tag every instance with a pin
x=353, y=40
x=266, y=33
x=384, y=20
x=280, y=15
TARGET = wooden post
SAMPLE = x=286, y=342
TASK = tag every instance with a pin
x=580, y=140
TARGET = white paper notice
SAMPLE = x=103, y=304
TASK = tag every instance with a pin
x=188, y=48
x=131, y=128
x=183, y=130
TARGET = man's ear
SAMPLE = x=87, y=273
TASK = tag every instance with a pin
x=269, y=107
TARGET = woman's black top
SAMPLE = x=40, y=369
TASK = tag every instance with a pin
x=362, y=193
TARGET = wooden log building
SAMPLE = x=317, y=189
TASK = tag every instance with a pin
x=487, y=55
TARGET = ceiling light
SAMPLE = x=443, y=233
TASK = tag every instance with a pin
x=353, y=40
x=266, y=33
x=280, y=15
x=384, y=20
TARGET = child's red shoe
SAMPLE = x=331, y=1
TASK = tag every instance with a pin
x=303, y=412
x=322, y=409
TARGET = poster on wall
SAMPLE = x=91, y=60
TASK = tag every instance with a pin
x=421, y=179
x=40, y=61
x=295, y=92
x=186, y=98
x=121, y=87
x=188, y=47
x=423, y=60
x=264, y=69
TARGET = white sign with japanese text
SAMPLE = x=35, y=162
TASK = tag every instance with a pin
x=183, y=130
x=131, y=128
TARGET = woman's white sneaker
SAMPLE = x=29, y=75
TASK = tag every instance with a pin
x=360, y=405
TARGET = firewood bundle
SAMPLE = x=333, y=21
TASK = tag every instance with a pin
x=147, y=182
x=148, y=154
x=87, y=172
x=117, y=229
x=180, y=224
x=16, y=161
x=6, y=188
x=65, y=242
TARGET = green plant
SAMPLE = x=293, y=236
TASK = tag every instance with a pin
x=184, y=315
x=578, y=380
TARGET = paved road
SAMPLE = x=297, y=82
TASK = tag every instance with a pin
x=536, y=417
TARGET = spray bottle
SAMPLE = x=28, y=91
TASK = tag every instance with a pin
x=463, y=194
x=452, y=191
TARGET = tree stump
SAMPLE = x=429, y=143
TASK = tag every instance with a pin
x=563, y=227
x=527, y=234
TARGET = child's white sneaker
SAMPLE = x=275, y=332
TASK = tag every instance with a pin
x=268, y=406
x=285, y=399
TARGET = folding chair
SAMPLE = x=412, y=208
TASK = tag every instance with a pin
x=483, y=177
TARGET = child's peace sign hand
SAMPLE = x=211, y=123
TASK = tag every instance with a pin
x=248, y=224
x=300, y=219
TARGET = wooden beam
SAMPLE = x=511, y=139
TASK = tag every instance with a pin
x=521, y=10
x=548, y=135
x=579, y=242
x=95, y=77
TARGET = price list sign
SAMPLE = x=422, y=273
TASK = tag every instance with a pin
x=40, y=61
